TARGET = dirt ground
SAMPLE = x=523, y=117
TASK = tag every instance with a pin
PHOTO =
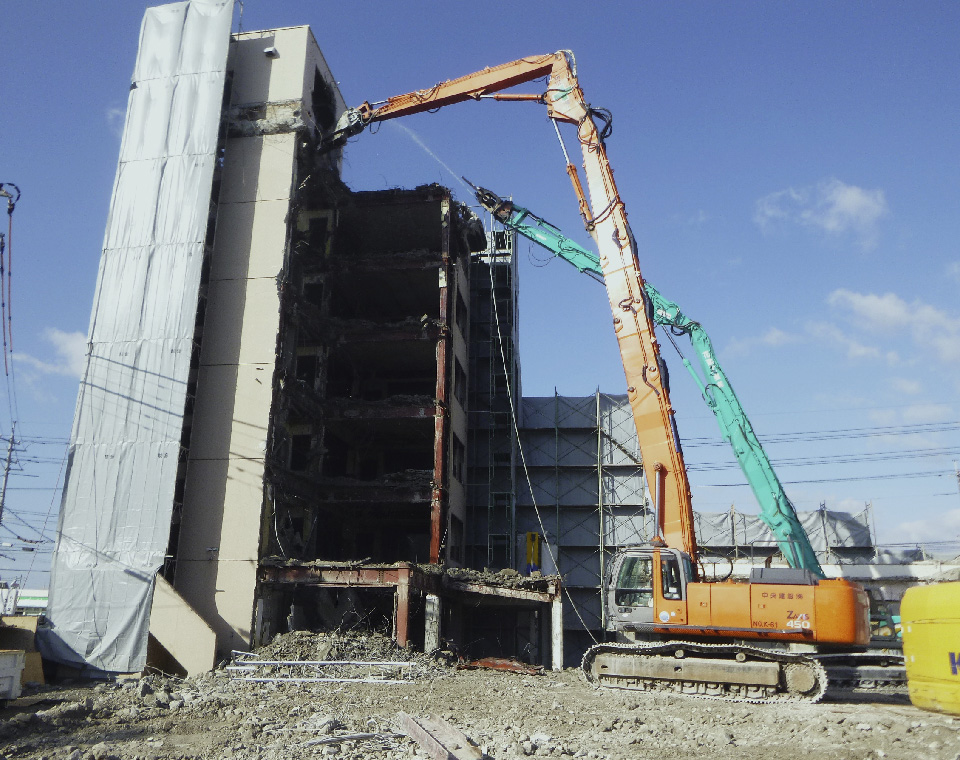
x=219, y=715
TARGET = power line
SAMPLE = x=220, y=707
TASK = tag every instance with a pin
x=837, y=459
x=885, y=476
x=880, y=431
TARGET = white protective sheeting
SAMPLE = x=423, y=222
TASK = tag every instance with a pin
x=117, y=502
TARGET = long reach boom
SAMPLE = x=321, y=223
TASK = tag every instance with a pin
x=605, y=217
x=776, y=509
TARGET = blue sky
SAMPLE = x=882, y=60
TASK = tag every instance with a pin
x=790, y=171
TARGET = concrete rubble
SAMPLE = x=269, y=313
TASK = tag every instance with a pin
x=504, y=715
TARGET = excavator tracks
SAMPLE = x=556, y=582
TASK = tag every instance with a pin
x=729, y=672
x=865, y=674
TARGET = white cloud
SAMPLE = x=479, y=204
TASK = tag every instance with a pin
x=913, y=414
x=831, y=206
x=942, y=527
x=774, y=337
x=115, y=117
x=929, y=326
x=906, y=386
x=916, y=414
x=853, y=348
x=71, y=354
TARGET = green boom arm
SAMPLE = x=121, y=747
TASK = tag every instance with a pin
x=776, y=510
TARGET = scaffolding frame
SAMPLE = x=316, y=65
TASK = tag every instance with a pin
x=584, y=464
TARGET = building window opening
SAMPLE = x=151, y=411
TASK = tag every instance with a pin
x=322, y=102
x=461, y=314
x=300, y=446
x=455, y=547
x=313, y=293
x=307, y=367
x=459, y=455
x=459, y=383
x=318, y=234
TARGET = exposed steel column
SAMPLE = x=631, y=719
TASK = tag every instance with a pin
x=438, y=502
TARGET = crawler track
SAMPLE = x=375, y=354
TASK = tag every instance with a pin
x=729, y=672
x=865, y=674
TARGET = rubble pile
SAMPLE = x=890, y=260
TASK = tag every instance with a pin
x=368, y=646
x=508, y=715
x=507, y=578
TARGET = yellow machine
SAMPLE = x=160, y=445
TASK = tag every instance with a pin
x=930, y=618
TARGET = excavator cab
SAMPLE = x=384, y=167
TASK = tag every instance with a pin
x=643, y=582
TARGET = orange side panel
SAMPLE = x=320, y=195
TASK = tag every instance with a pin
x=698, y=603
x=784, y=608
x=843, y=613
x=835, y=611
x=730, y=605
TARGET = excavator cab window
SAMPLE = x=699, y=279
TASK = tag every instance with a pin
x=635, y=582
x=671, y=578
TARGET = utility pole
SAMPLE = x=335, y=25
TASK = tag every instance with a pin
x=6, y=469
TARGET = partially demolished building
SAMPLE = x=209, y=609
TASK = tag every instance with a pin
x=302, y=403
x=287, y=443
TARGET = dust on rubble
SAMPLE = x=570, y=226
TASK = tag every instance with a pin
x=218, y=715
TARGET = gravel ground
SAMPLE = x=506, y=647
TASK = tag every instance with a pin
x=510, y=716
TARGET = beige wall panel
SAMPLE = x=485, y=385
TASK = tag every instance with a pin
x=245, y=227
x=251, y=68
x=248, y=439
x=287, y=72
x=178, y=627
x=228, y=424
x=219, y=540
x=202, y=517
x=257, y=168
x=241, y=170
x=213, y=413
x=236, y=583
x=240, y=537
x=241, y=322
x=276, y=167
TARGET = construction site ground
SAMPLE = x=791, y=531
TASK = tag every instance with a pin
x=509, y=715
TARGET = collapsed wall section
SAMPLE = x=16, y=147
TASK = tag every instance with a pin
x=126, y=440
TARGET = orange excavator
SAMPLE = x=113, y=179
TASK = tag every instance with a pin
x=764, y=640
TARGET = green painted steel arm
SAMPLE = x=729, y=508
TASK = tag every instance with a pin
x=776, y=510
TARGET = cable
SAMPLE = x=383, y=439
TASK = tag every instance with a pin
x=886, y=476
x=842, y=433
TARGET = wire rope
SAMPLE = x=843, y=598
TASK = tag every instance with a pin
x=523, y=461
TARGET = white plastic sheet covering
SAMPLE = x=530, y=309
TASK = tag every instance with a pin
x=118, y=498
x=826, y=529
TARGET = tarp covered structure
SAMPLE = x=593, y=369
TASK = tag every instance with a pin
x=125, y=445
x=828, y=531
